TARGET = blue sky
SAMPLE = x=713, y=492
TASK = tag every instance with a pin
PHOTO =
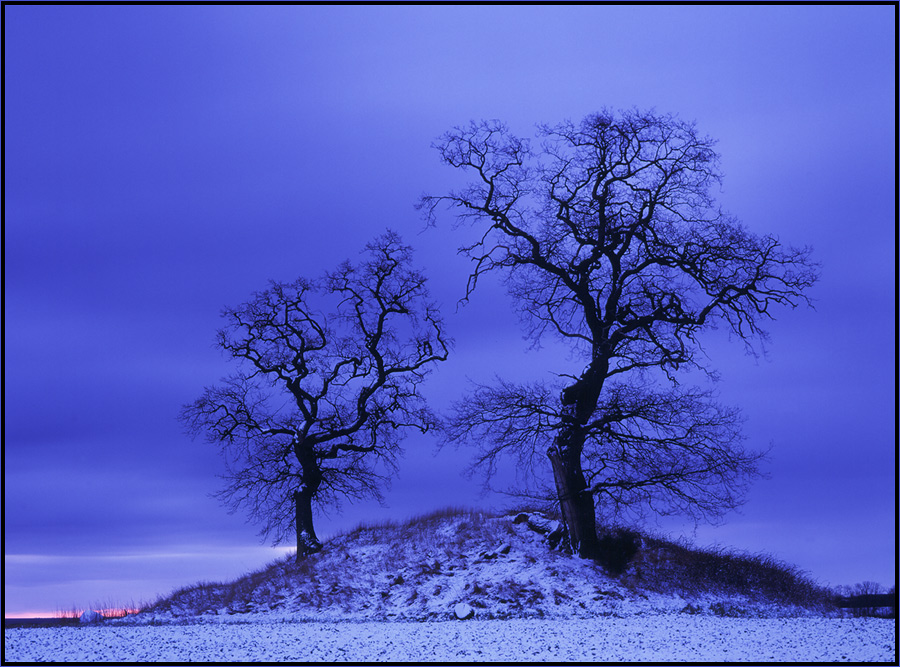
x=164, y=161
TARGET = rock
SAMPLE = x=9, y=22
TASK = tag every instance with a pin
x=504, y=548
x=90, y=616
x=554, y=527
x=553, y=531
x=541, y=524
x=463, y=611
x=556, y=534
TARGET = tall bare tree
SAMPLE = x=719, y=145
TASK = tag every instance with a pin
x=330, y=384
x=609, y=239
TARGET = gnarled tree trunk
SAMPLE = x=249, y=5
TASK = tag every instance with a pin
x=576, y=504
x=307, y=542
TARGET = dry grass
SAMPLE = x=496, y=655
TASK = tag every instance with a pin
x=666, y=566
x=109, y=608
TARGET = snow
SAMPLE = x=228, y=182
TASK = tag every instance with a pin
x=463, y=587
x=421, y=571
x=658, y=637
x=90, y=616
x=463, y=611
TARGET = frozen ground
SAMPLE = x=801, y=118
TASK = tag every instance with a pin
x=390, y=593
x=661, y=637
x=499, y=567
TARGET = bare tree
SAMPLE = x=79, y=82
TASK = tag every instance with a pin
x=609, y=239
x=330, y=384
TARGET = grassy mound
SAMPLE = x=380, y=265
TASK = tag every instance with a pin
x=421, y=569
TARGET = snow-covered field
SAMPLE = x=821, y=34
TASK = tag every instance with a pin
x=664, y=637
x=395, y=593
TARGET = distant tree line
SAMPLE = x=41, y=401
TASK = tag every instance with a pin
x=867, y=599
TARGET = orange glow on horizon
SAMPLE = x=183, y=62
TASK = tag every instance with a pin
x=71, y=613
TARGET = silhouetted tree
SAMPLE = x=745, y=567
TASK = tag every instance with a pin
x=608, y=239
x=331, y=379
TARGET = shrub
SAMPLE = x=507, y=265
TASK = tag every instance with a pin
x=679, y=567
x=617, y=548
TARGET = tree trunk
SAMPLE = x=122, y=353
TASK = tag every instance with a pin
x=576, y=505
x=307, y=542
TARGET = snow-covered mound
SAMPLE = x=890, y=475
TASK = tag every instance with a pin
x=460, y=563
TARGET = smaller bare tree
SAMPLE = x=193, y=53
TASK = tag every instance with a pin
x=330, y=385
